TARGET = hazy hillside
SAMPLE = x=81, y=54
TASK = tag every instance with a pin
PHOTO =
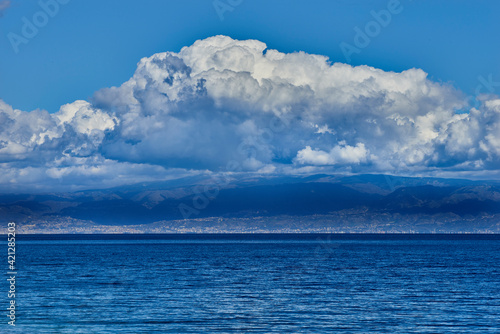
x=368, y=196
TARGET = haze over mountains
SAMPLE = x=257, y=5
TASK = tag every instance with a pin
x=374, y=202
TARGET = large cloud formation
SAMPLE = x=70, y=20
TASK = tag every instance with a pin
x=224, y=105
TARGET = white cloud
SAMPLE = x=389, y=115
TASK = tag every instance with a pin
x=85, y=119
x=338, y=155
x=222, y=100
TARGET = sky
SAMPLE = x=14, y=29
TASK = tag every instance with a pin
x=93, y=44
x=88, y=96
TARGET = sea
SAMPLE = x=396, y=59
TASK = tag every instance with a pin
x=256, y=283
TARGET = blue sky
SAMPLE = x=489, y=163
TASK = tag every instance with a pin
x=99, y=94
x=93, y=44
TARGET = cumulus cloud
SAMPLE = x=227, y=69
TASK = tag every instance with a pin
x=338, y=155
x=222, y=102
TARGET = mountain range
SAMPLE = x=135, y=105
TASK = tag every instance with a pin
x=401, y=201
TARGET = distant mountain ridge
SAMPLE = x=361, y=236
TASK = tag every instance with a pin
x=368, y=195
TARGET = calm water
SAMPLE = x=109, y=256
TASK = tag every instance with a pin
x=258, y=283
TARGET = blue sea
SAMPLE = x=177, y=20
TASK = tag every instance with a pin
x=268, y=283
